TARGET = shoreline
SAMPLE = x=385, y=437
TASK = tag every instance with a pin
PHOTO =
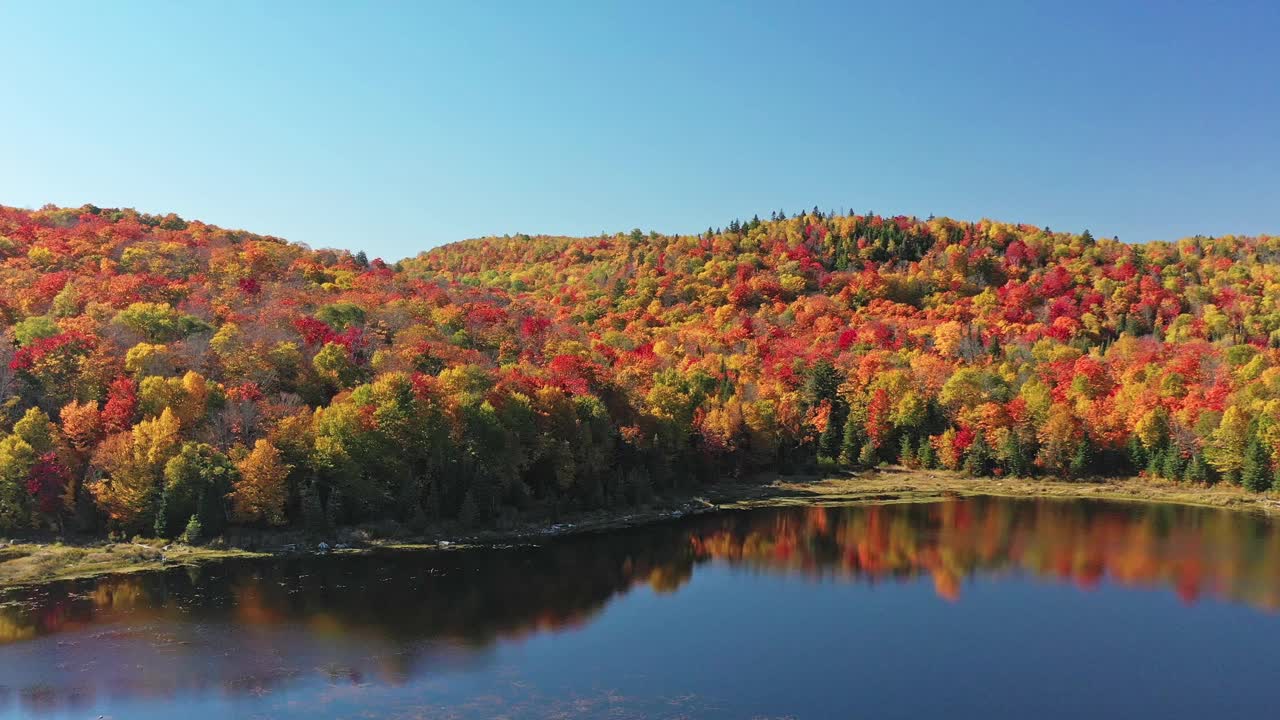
x=30, y=563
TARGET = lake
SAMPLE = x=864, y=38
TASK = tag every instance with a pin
x=968, y=608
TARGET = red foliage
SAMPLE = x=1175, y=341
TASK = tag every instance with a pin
x=122, y=405
x=47, y=481
x=532, y=326
x=67, y=343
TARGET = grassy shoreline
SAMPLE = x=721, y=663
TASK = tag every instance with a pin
x=33, y=563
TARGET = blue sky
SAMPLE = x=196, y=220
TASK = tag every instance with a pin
x=395, y=127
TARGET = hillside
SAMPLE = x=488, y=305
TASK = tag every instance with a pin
x=160, y=373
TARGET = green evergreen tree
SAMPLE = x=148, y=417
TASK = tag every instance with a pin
x=335, y=510
x=1016, y=458
x=418, y=521
x=468, y=515
x=1155, y=462
x=1256, y=474
x=193, y=532
x=1172, y=468
x=867, y=455
x=822, y=383
x=213, y=512
x=907, y=452
x=312, y=510
x=1137, y=452
x=978, y=460
x=639, y=488
x=851, y=444
x=1197, y=470
x=162, y=517
x=1082, y=460
x=927, y=457
x=829, y=442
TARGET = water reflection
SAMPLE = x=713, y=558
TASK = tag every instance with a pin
x=1193, y=551
x=249, y=629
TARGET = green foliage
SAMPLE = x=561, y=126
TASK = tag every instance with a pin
x=1172, y=467
x=159, y=322
x=35, y=328
x=907, y=452
x=822, y=383
x=830, y=442
x=978, y=460
x=193, y=532
x=334, y=364
x=867, y=456
x=196, y=483
x=853, y=438
x=36, y=429
x=16, y=459
x=1256, y=476
x=1197, y=470
x=1015, y=457
x=927, y=458
x=341, y=315
x=1082, y=460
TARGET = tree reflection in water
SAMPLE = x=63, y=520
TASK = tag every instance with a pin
x=388, y=618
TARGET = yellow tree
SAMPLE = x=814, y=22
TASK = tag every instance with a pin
x=132, y=464
x=259, y=494
x=1227, y=445
x=81, y=424
x=1060, y=439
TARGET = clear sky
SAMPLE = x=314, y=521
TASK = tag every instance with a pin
x=395, y=127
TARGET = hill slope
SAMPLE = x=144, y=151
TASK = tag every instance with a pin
x=158, y=370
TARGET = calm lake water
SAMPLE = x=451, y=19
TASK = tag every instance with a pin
x=973, y=608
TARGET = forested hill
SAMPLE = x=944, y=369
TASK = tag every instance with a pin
x=167, y=376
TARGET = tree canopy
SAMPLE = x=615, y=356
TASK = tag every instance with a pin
x=157, y=370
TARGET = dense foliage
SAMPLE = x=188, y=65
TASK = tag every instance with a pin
x=171, y=377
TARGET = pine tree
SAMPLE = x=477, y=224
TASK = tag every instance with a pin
x=978, y=460
x=312, y=510
x=1082, y=460
x=1015, y=456
x=162, y=517
x=1155, y=462
x=851, y=445
x=1256, y=474
x=1172, y=468
x=907, y=454
x=639, y=489
x=867, y=455
x=928, y=459
x=830, y=442
x=335, y=511
x=1197, y=470
x=1137, y=452
x=418, y=521
x=467, y=514
x=212, y=512
x=193, y=531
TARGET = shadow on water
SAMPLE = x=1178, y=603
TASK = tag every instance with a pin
x=247, y=628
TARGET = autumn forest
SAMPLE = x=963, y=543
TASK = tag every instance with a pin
x=166, y=377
